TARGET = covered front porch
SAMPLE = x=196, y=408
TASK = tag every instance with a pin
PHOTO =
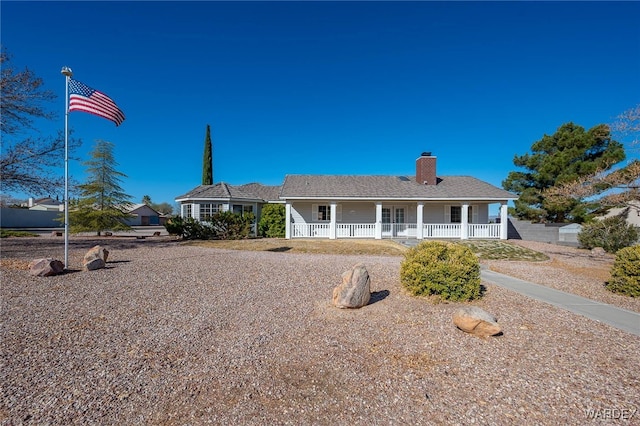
x=418, y=221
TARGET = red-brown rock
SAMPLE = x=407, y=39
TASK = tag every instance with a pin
x=476, y=321
x=45, y=267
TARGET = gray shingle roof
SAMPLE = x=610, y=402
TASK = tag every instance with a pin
x=389, y=187
x=265, y=192
x=249, y=192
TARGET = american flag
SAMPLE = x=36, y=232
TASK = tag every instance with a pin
x=84, y=98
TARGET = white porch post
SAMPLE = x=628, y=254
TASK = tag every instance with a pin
x=287, y=215
x=464, y=225
x=419, y=226
x=378, y=235
x=504, y=224
x=332, y=225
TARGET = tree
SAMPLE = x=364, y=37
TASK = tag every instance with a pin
x=272, y=221
x=146, y=200
x=569, y=154
x=608, y=188
x=27, y=162
x=23, y=97
x=207, y=161
x=611, y=233
x=164, y=208
x=627, y=124
x=102, y=204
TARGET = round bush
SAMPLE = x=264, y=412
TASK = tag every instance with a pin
x=450, y=271
x=612, y=234
x=625, y=274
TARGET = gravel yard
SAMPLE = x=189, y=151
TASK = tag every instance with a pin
x=175, y=334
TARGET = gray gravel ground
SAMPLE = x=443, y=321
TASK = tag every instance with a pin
x=173, y=334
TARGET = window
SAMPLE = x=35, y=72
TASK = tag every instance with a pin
x=454, y=214
x=186, y=209
x=208, y=210
x=242, y=209
x=324, y=212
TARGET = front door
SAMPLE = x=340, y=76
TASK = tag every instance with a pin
x=393, y=219
x=400, y=230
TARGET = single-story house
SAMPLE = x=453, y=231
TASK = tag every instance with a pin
x=143, y=215
x=46, y=204
x=205, y=200
x=631, y=212
x=341, y=206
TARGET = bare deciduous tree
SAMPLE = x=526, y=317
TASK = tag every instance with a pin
x=613, y=188
x=28, y=163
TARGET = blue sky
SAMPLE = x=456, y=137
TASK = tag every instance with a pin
x=327, y=87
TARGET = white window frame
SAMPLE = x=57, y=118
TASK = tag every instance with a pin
x=472, y=215
x=209, y=210
x=187, y=210
x=315, y=212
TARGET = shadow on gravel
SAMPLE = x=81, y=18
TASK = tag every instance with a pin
x=279, y=249
x=377, y=296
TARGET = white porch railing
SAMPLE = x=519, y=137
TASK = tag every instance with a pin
x=441, y=230
x=401, y=230
x=310, y=230
x=394, y=230
x=487, y=230
x=355, y=230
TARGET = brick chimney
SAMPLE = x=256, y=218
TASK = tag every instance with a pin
x=426, y=169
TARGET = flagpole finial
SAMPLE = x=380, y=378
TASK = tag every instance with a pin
x=67, y=71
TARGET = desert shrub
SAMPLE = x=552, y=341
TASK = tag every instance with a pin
x=4, y=233
x=450, y=271
x=222, y=226
x=272, y=221
x=612, y=234
x=188, y=228
x=174, y=225
x=230, y=226
x=625, y=274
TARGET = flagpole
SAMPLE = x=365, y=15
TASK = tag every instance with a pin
x=66, y=71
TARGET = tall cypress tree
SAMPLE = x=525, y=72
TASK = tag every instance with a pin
x=207, y=161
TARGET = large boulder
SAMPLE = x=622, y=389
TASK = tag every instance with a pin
x=96, y=258
x=476, y=321
x=45, y=267
x=355, y=290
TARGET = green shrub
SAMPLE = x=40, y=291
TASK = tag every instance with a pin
x=188, y=228
x=230, y=226
x=174, y=225
x=450, y=271
x=612, y=234
x=272, y=221
x=4, y=233
x=222, y=225
x=625, y=274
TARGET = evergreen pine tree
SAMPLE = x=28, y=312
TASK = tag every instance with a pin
x=207, y=161
x=102, y=205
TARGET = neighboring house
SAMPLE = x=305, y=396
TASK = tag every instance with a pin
x=631, y=213
x=143, y=215
x=337, y=206
x=47, y=204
